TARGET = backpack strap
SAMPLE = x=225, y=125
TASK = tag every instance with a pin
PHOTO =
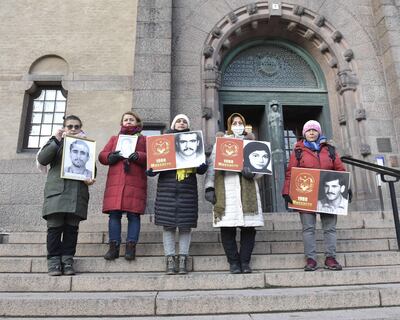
x=298, y=153
x=332, y=152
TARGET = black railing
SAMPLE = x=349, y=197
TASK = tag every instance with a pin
x=388, y=175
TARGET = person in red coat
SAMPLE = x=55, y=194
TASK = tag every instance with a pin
x=126, y=187
x=314, y=153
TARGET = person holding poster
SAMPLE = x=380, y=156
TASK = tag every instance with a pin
x=237, y=202
x=65, y=201
x=314, y=152
x=176, y=203
x=126, y=187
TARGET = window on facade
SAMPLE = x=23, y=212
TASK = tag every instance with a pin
x=290, y=141
x=46, y=111
x=152, y=130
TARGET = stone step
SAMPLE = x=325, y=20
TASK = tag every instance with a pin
x=381, y=313
x=98, y=282
x=209, y=236
x=207, y=302
x=196, y=248
x=199, y=263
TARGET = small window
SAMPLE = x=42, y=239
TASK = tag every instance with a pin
x=290, y=141
x=153, y=129
x=45, y=114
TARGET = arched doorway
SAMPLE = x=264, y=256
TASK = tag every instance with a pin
x=262, y=73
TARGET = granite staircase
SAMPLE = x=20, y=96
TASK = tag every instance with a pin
x=367, y=288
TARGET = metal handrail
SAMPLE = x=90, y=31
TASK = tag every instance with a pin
x=384, y=172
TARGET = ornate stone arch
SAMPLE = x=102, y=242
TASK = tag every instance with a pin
x=240, y=24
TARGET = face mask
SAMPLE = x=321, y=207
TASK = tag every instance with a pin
x=237, y=130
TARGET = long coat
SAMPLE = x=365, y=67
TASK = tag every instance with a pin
x=61, y=195
x=176, y=201
x=312, y=160
x=125, y=191
x=234, y=215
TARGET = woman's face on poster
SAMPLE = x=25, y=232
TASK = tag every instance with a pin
x=259, y=159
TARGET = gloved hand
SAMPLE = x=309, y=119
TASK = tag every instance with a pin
x=133, y=156
x=201, y=169
x=210, y=195
x=350, y=195
x=150, y=173
x=287, y=198
x=114, y=157
x=247, y=173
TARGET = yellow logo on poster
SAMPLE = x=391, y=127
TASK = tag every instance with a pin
x=161, y=146
x=230, y=149
x=305, y=183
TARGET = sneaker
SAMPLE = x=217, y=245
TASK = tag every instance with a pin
x=332, y=264
x=311, y=265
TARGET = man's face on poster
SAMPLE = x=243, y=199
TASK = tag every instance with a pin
x=333, y=189
x=188, y=143
x=79, y=155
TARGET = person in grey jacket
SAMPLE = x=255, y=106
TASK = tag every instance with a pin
x=65, y=202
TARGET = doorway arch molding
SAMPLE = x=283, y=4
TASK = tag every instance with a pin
x=237, y=26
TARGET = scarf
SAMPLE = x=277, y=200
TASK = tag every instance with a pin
x=130, y=130
x=248, y=196
x=315, y=145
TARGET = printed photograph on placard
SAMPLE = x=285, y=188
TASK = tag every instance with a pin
x=228, y=154
x=333, y=193
x=189, y=148
x=161, y=152
x=319, y=190
x=126, y=144
x=78, y=158
x=257, y=156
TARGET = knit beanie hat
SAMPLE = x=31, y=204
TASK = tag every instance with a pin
x=180, y=116
x=312, y=124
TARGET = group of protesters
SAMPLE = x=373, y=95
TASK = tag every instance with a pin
x=235, y=197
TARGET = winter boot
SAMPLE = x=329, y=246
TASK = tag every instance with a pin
x=130, y=251
x=170, y=266
x=182, y=269
x=67, y=265
x=54, y=266
x=113, y=252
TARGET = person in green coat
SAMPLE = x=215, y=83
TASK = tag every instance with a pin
x=65, y=201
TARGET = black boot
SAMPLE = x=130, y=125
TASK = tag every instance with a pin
x=234, y=268
x=170, y=265
x=247, y=241
x=130, y=251
x=113, y=252
x=182, y=264
x=54, y=266
x=67, y=265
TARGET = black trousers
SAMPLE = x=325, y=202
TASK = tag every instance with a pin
x=247, y=240
x=61, y=241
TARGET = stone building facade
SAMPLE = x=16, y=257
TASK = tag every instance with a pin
x=334, y=61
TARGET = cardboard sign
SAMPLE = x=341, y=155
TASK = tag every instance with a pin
x=228, y=154
x=315, y=190
x=175, y=151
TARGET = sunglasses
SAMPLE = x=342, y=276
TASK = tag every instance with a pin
x=76, y=126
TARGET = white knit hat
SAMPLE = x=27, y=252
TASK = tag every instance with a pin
x=180, y=116
x=312, y=124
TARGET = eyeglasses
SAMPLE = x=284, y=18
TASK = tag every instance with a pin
x=75, y=126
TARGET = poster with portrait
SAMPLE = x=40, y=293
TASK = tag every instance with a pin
x=78, y=158
x=257, y=156
x=317, y=190
x=126, y=144
x=175, y=151
x=228, y=154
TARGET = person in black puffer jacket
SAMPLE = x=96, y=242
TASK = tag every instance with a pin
x=176, y=205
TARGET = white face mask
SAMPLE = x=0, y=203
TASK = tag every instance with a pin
x=237, y=130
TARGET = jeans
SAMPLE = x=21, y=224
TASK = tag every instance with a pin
x=247, y=241
x=114, y=226
x=329, y=221
x=185, y=236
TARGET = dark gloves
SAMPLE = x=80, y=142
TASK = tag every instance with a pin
x=210, y=195
x=150, y=173
x=114, y=157
x=287, y=198
x=350, y=195
x=201, y=169
x=247, y=173
x=133, y=157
